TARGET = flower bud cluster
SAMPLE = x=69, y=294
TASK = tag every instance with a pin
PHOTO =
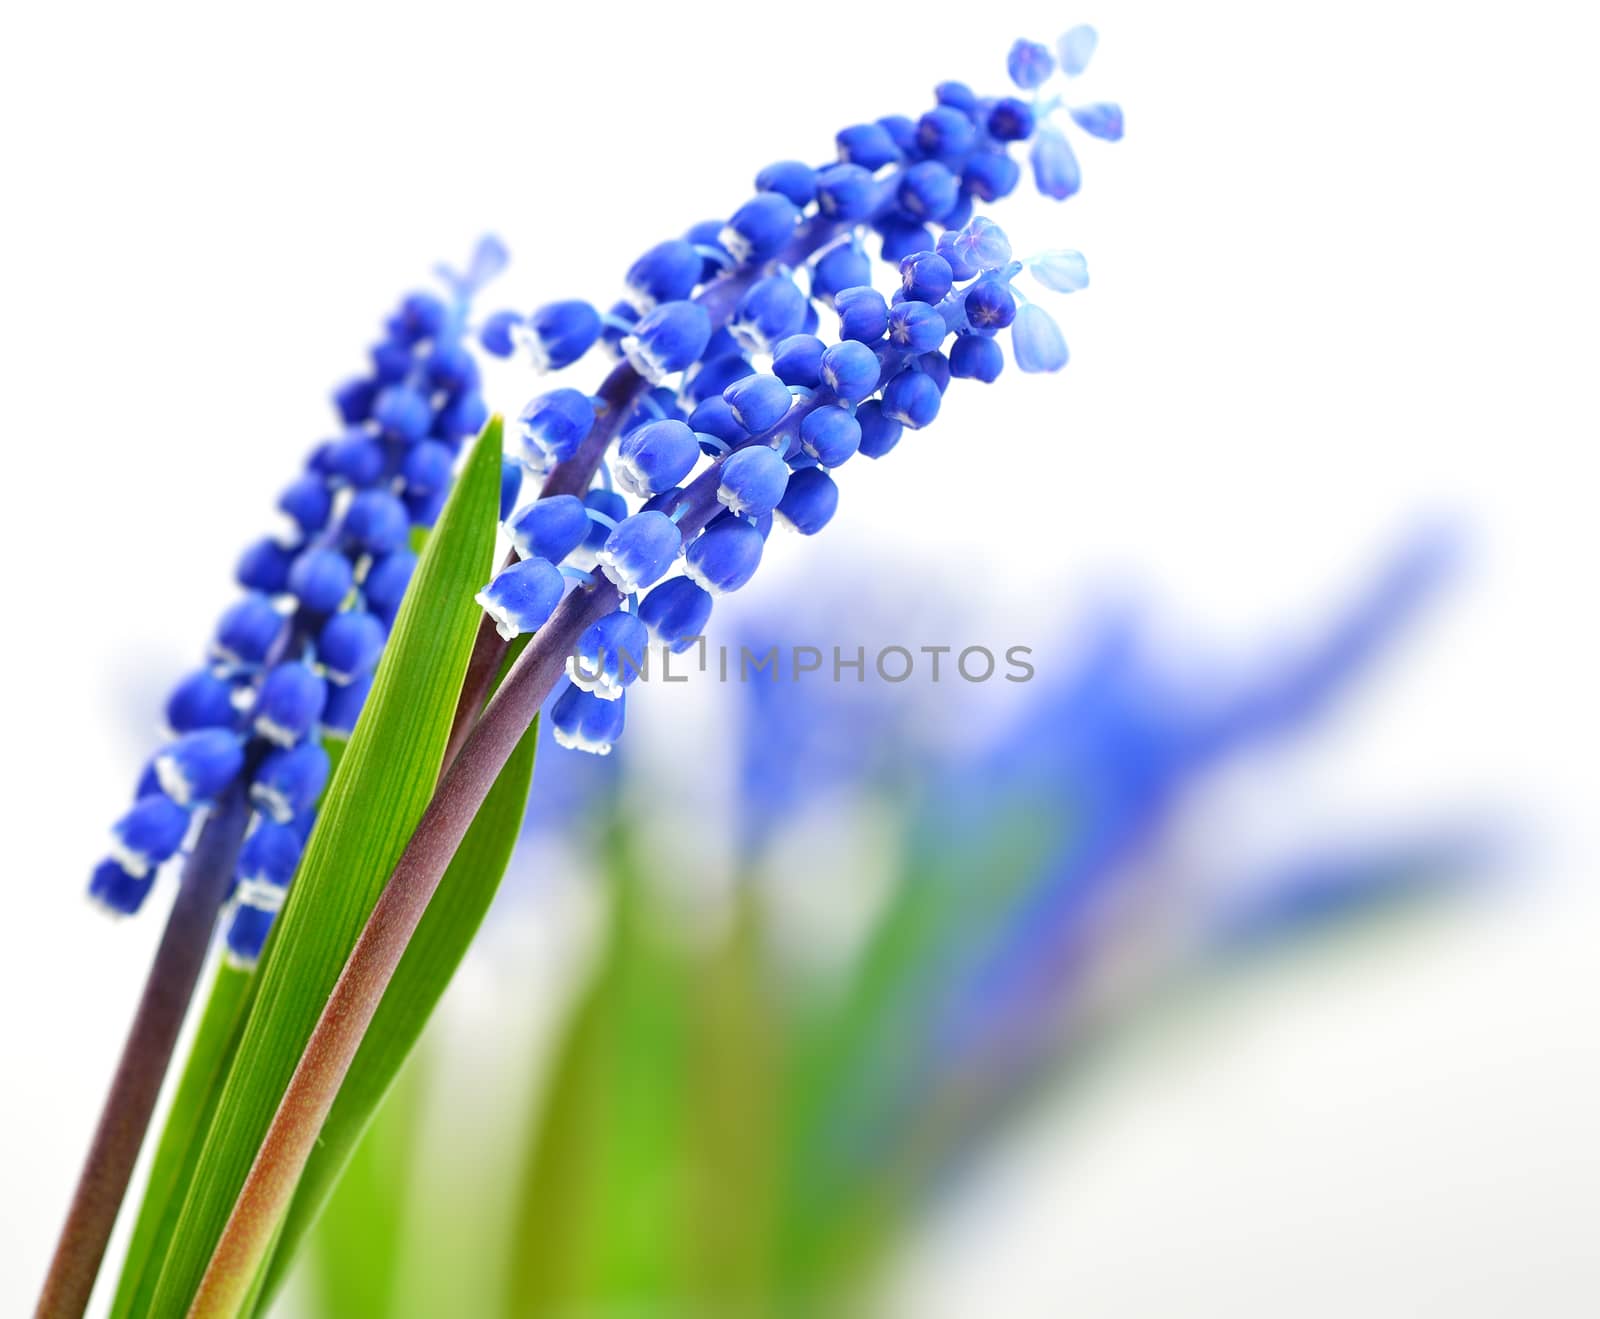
x=755, y=358
x=291, y=662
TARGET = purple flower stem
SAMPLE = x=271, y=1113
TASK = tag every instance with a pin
x=478, y=752
x=146, y=1054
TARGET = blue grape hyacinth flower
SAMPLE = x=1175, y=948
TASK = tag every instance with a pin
x=753, y=357
x=291, y=662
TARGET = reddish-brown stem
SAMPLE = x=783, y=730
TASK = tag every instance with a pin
x=273, y=1176
x=475, y=754
x=145, y=1056
x=619, y=395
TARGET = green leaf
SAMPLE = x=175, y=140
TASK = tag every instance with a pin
x=179, y=1151
x=357, y=1250
x=377, y=795
x=842, y=1214
x=735, y=1108
x=204, y=1071
x=602, y=1221
x=429, y=963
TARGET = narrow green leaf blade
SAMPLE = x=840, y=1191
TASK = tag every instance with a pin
x=598, y=1226
x=357, y=1250
x=193, y=1106
x=735, y=1105
x=179, y=1150
x=372, y=805
x=430, y=961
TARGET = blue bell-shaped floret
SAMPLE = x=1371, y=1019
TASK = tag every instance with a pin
x=752, y=480
x=583, y=721
x=668, y=272
x=349, y=644
x=757, y=231
x=522, y=596
x=321, y=579
x=552, y=426
x=850, y=369
x=879, y=431
x=676, y=612
x=247, y=633
x=559, y=333
x=668, y=339
x=550, y=528
x=290, y=780
x=655, y=457
x=830, y=435
x=808, y=505
x=639, y=552
x=202, y=700
x=289, y=703
x=610, y=655
x=148, y=834
x=759, y=402
x=911, y=398
x=197, y=767
x=724, y=557
x=384, y=586
x=117, y=891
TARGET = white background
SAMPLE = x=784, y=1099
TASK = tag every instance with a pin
x=1344, y=274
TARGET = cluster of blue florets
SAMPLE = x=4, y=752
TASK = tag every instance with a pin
x=730, y=409
x=292, y=661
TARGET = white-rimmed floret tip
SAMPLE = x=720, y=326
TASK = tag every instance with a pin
x=639, y=552
x=668, y=272
x=610, y=655
x=552, y=426
x=582, y=721
x=117, y=891
x=724, y=556
x=558, y=334
x=289, y=703
x=150, y=833
x=549, y=528
x=655, y=456
x=349, y=644
x=194, y=769
x=676, y=613
x=205, y=699
x=668, y=340
x=522, y=596
x=810, y=502
x=752, y=480
x=758, y=230
x=289, y=781
x=248, y=631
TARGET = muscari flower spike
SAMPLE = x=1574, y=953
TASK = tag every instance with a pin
x=292, y=660
x=732, y=407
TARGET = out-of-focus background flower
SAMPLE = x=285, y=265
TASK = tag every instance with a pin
x=780, y=1060
x=1342, y=286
